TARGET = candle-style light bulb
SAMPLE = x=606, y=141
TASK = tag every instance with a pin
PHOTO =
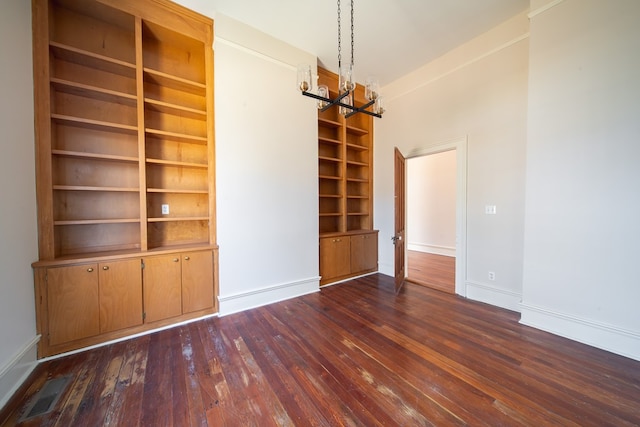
x=378, y=107
x=304, y=78
x=371, y=89
x=323, y=91
x=345, y=79
x=348, y=100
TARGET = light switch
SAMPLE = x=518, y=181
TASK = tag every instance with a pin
x=490, y=209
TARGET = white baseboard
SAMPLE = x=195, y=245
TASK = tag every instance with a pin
x=432, y=249
x=17, y=370
x=495, y=296
x=230, y=304
x=606, y=337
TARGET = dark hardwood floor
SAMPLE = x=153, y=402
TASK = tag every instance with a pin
x=435, y=271
x=354, y=354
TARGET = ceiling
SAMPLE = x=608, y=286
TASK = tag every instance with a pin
x=392, y=37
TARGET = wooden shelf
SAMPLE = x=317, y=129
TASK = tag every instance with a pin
x=174, y=82
x=355, y=163
x=168, y=108
x=176, y=191
x=93, y=92
x=176, y=135
x=93, y=124
x=357, y=147
x=356, y=131
x=98, y=221
x=173, y=219
x=329, y=159
x=329, y=177
x=176, y=163
x=329, y=123
x=92, y=60
x=88, y=188
x=329, y=140
x=86, y=155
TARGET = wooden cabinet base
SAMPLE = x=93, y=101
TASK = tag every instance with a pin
x=84, y=302
x=45, y=350
x=346, y=255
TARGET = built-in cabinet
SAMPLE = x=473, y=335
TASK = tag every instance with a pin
x=348, y=255
x=125, y=168
x=86, y=303
x=345, y=184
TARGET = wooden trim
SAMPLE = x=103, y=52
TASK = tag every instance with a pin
x=42, y=122
x=211, y=136
x=67, y=261
x=142, y=156
x=169, y=15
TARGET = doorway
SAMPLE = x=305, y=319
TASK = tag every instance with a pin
x=449, y=259
x=431, y=220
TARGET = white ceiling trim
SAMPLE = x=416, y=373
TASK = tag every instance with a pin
x=544, y=8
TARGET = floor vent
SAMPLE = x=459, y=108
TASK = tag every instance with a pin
x=45, y=400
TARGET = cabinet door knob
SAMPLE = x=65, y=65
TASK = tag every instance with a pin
x=89, y=269
x=176, y=259
x=187, y=258
x=105, y=268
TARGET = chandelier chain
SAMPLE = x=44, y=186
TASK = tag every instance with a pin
x=352, y=44
x=339, y=39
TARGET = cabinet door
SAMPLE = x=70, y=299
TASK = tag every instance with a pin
x=364, y=252
x=162, y=290
x=334, y=257
x=120, y=294
x=197, y=281
x=72, y=302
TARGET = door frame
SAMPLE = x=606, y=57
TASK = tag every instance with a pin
x=460, y=145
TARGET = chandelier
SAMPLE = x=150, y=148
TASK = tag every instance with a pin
x=346, y=85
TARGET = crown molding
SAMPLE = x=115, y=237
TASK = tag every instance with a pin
x=544, y=8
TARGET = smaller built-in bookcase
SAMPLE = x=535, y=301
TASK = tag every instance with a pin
x=125, y=166
x=345, y=186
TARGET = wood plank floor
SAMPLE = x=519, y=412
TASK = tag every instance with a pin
x=353, y=354
x=435, y=271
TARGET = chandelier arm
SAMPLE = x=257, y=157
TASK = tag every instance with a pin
x=362, y=109
x=330, y=102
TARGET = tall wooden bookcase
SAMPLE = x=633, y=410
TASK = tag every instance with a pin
x=348, y=243
x=125, y=168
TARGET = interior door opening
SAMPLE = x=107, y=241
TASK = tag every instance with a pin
x=459, y=147
x=431, y=220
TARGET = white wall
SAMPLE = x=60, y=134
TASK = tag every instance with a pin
x=266, y=156
x=583, y=180
x=431, y=203
x=266, y=167
x=477, y=91
x=18, y=233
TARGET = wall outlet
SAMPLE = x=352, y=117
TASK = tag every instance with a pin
x=165, y=209
x=492, y=275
